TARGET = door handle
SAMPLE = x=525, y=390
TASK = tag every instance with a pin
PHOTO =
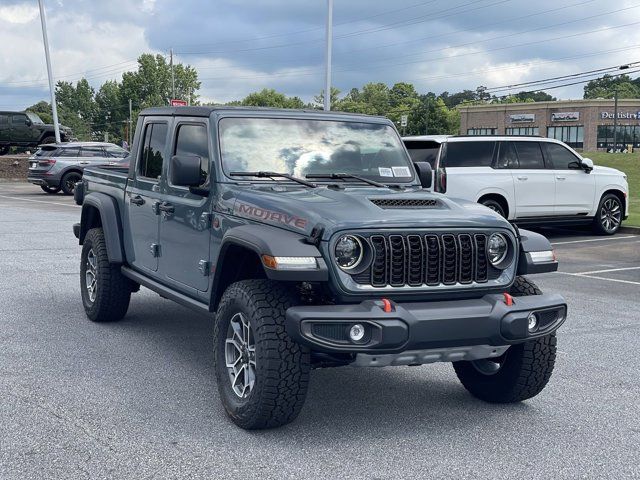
x=166, y=208
x=84, y=163
x=137, y=200
x=523, y=177
x=561, y=178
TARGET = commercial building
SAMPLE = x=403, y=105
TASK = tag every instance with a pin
x=582, y=124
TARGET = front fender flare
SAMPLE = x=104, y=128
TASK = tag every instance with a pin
x=110, y=220
x=276, y=242
x=534, y=242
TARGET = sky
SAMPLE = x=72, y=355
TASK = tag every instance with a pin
x=241, y=46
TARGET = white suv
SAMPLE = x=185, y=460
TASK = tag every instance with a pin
x=526, y=179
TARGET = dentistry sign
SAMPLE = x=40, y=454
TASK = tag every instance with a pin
x=621, y=115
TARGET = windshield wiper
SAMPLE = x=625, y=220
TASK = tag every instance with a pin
x=263, y=174
x=343, y=176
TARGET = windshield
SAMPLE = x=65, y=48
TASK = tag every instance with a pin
x=35, y=118
x=301, y=147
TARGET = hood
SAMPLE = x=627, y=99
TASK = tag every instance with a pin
x=301, y=209
x=607, y=171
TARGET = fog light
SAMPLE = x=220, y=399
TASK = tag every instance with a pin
x=533, y=322
x=356, y=333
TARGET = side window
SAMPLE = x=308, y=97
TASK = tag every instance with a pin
x=18, y=120
x=561, y=158
x=529, y=155
x=69, y=152
x=116, y=152
x=155, y=139
x=4, y=119
x=193, y=140
x=469, y=154
x=507, y=157
x=92, y=152
x=423, y=151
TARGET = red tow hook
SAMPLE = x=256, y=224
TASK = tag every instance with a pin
x=386, y=305
x=508, y=299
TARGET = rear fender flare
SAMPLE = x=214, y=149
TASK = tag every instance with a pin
x=109, y=213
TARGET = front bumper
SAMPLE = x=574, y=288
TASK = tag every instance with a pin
x=486, y=321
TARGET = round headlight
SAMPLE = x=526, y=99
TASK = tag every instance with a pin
x=348, y=252
x=497, y=248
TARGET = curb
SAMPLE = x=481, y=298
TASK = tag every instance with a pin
x=632, y=230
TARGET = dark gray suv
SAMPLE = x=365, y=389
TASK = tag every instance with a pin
x=59, y=166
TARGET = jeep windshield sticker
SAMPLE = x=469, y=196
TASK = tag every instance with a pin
x=251, y=211
x=401, y=171
x=385, y=172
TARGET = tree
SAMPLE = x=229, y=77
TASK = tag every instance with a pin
x=606, y=86
x=318, y=100
x=76, y=106
x=43, y=110
x=268, y=97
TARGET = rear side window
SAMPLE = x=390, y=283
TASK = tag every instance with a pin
x=561, y=158
x=469, y=154
x=507, y=158
x=155, y=138
x=193, y=140
x=423, y=151
x=68, y=152
x=529, y=155
x=92, y=152
x=18, y=120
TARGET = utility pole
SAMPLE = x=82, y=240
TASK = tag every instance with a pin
x=615, y=119
x=54, y=108
x=130, y=123
x=173, y=78
x=327, y=82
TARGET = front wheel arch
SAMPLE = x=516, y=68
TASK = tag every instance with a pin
x=502, y=201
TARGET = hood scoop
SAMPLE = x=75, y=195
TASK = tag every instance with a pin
x=412, y=203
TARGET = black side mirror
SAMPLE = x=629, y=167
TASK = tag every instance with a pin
x=425, y=174
x=185, y=171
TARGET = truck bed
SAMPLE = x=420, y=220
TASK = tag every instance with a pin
x=107, y=179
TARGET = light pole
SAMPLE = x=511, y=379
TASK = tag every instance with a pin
x=54, y=108
x=615, y=112
x=327, y=80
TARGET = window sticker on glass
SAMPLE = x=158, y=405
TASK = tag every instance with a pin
x=401, y=171
x=385, y=172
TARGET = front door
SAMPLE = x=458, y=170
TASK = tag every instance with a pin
x=575, y=188
x=144, y=196
x=534, y=185
x=184, y=220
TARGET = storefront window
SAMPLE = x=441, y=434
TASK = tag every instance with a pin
x=481, y=131
x=523, y=131
x=627, y=135
x=572, y=136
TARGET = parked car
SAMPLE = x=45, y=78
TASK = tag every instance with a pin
x=530, y=180
x=59, y=166
x=317, y=243
x=26, y=129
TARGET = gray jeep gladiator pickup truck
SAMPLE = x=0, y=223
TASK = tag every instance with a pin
x=317, y=243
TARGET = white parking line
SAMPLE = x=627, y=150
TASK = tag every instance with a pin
x=594, y=240
x=600, y=278
x=609, y=270
x=40, y=201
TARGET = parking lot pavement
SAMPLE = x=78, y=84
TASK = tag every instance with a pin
x=137, y=399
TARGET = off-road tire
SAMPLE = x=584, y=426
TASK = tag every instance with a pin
x=50, y=190
x=68, y=180
x=4, y=150
x=525, y=368
x=49, y=139
x=113, y=290
x=495, y=206
x=598, y=226
x=282, y=366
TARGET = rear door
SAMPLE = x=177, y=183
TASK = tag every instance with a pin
x=184, y=221
x=20, y=128
x=575, y=188
x=534, y=184
x=4, y=128
x=144, y=195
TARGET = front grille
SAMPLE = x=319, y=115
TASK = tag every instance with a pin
x=405, y=202
x=427, y=259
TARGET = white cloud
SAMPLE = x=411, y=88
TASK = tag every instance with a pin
x=19, y=13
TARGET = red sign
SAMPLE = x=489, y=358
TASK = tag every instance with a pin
x=178, y=103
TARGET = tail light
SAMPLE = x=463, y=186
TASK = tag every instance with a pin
x=441, y=180
x=47, y=162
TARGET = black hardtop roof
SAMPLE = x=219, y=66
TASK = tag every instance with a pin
x=208, y=110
